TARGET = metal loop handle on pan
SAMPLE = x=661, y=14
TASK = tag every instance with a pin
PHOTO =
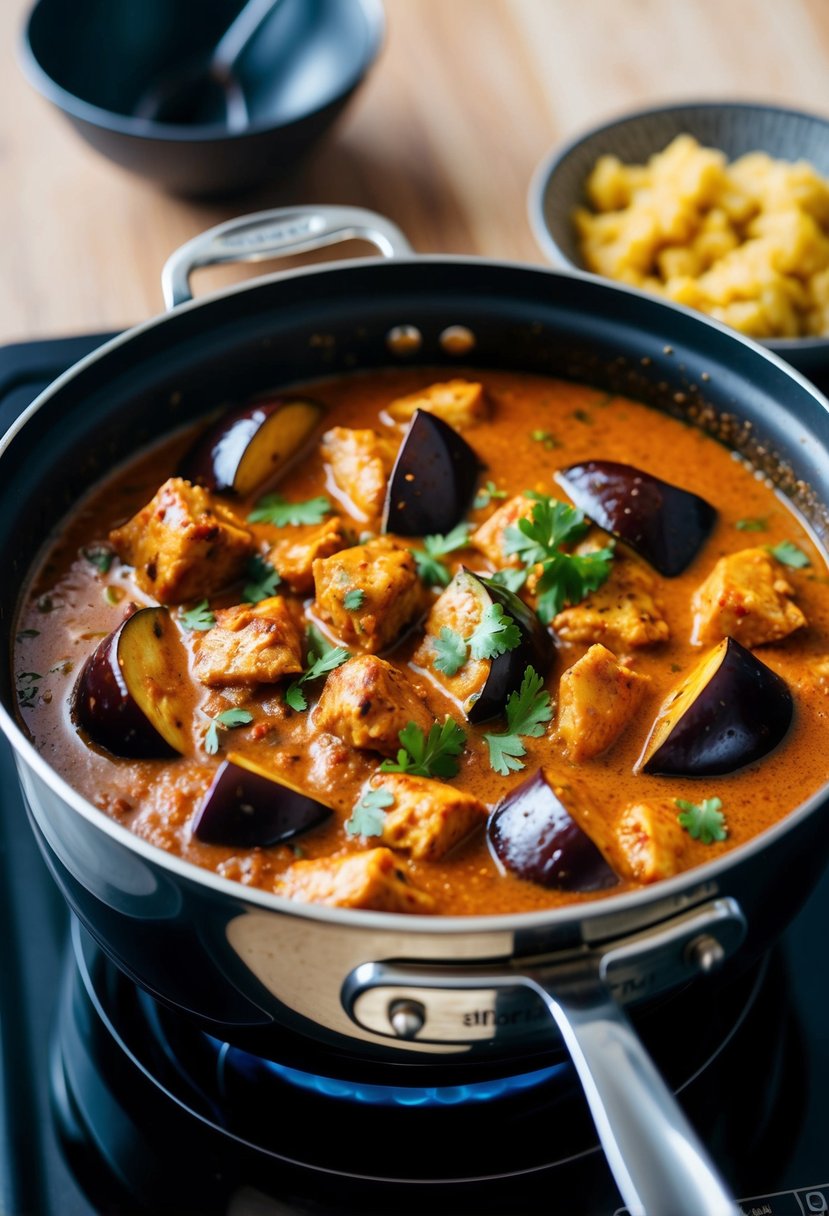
x=278, y=233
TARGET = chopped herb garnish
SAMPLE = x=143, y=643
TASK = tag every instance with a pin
x=545, y=438
x=318, y=666
x=227, y=720
x=368, y=815
x=101, y=556
x=274, y=509
x=45, y=603
x=789, y=555
x=431, y=569
x=264, y=580
x=28, y=687
x=527, y=711
x=495, y=634
x=431, y=755
x=28, y=633
x=751, y=525
x=450, y=651
x=485, y=496
x=354, y=599
x=704, y=822
x=565, y=578
x=510, y=578
x=199, y=617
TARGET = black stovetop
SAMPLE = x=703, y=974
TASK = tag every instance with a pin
x=46, y=1172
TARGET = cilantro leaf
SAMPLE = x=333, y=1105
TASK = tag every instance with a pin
x=295, y=697
x=495, y=634
x=227, y=720
x=321, y=666
x=234, y=717
x=751, y=525
x=101, y=556
x=431, y=569
x=431, y=755
x=527, y=710
x=353, y=599
x=485, y=496
x=510, y=578
x=264, y=580
x=28, y=688
x=317, y=666
x=565, y=578
x=274, y=509
x=368, y=816
x=450, y=651
x=705, y=821
x=789, y=555
x=539, y=535
x=198, y=617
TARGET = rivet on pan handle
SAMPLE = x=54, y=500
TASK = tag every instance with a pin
x=273, y=234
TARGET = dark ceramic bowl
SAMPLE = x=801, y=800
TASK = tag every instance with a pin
x=94, y=61
x=733, y=127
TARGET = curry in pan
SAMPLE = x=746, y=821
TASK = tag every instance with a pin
x=489, y=644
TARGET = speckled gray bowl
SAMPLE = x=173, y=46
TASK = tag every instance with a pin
x=734, y=127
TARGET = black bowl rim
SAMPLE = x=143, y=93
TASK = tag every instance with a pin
x=545, y=170
x=173, y=133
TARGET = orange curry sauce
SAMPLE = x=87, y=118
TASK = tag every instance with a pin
x=536, y=425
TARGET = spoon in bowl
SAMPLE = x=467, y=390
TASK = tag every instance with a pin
x=207, y=90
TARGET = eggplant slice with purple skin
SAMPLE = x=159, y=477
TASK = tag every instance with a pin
x=433, y=479
x=663, y=523
x=731, y=710
x=132, y=695
x=507, y=670
x=249, y=807
x=249, y=445
x=535, y=837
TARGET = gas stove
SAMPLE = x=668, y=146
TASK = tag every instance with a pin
x=111, y=1105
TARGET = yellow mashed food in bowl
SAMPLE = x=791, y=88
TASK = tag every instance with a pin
x=745, y=241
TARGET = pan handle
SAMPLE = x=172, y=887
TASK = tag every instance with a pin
x=273, y=234
x=656, y=1157
x=660, y=1165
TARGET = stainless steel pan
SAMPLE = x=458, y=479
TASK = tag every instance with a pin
x=434, y=997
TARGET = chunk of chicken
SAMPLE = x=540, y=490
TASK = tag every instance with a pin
x=623, y=613
x=489, y=538
x=457, y=608
x=367, y=702
x=461, y=403
x=648, y=843
x=184, y=545
x=427, y=818
x=391, y=594
x=294, y=553
x=597, y=699
x=745, y=597
x=360, y=462
x=249, y=644
x=371, y=880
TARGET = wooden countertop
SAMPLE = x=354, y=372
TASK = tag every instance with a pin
x=466, y=98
